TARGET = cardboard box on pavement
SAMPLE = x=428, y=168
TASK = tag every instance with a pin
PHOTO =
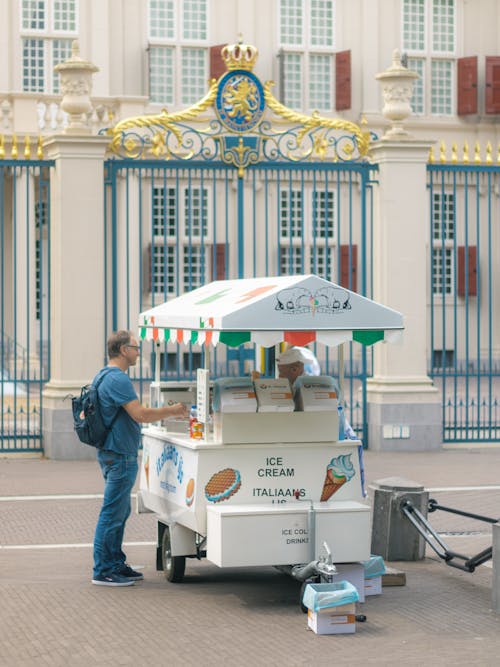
x=333, y=621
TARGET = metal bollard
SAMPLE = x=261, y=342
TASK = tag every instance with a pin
x=393, y=536
x=495, y=582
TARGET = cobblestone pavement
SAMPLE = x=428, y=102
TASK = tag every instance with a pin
x=50, y=614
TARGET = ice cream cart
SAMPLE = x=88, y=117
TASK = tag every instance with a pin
x=267, y=483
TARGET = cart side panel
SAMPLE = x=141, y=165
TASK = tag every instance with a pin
x=265, y=535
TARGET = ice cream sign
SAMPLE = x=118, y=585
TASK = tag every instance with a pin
x=174, y=470
x=276, y=480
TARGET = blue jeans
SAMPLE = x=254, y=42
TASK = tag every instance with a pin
x=120, y=472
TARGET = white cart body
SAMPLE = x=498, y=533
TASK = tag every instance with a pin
x=274, y=514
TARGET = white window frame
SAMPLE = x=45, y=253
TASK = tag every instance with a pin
x=305, y=49
x=179, y=94
x=306, y=237
x=177, y=239
x=443, y=250
x=426, y=56
x=47, y=36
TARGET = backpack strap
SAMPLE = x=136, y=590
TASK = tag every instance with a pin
x=105, y=372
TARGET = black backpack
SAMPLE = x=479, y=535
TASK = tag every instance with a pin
x=87, y=417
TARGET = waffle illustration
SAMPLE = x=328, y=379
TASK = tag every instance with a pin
x=222, y=485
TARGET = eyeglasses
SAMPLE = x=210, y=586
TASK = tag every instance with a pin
x=134, y=347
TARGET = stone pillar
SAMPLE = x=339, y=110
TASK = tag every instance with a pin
x=77, y=284
x=394, y=537
x=404, y=408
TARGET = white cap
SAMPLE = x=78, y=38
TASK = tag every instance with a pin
x=292, y=355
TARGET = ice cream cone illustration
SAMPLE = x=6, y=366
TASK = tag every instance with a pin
x=339, y=471
x=331, y=484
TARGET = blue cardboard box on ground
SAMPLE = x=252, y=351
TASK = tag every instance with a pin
x=331, y=607
x=374, y=568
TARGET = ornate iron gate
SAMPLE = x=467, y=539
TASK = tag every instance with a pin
x=24, y=296
x=464, y=298
x=237, y=186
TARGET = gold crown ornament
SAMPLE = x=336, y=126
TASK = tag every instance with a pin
x=239, y=56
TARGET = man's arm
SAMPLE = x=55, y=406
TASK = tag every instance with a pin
x=143, y=415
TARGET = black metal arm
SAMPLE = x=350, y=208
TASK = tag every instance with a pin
x=437, y=544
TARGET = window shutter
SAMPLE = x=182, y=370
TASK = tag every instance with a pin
x=218, y=255
x=467, y=85
x=343, y=80
x=217, y=65
x=492, y=93
x=349, y=266
x=467, y=262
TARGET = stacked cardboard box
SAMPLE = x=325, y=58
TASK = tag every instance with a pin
x=374, y=568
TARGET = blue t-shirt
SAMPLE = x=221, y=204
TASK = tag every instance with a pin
x=115, y=390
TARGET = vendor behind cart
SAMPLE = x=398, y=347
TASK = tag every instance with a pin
x=296, y=361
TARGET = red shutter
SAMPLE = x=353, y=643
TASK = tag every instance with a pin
x=467, y=85
x=467, y=285
x=492, y=96
x=219, y=262
x=349, y=266
x=343, y=80
x=217, y=65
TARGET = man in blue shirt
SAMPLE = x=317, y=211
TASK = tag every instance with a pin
x=118, y=458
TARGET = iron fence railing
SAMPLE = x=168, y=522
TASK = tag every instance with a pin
x=464, y=341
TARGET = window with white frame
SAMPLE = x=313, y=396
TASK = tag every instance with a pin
x=307, y=247
x=429, y=30
x=48, y=28
x=443, y=238
x=306, y=37
x=180, y=231
x=178, y=50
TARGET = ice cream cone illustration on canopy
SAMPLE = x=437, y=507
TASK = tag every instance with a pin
x=339, y=471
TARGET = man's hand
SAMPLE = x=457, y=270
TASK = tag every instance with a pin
x=144, y=415
x=178, y=410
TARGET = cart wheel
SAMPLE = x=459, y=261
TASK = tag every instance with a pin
x=173, y=566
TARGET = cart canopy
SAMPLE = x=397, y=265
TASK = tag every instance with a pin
x=267, y=311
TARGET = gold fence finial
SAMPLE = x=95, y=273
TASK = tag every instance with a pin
x=477, y=153
x=454, y=149
x=431, y=158
x=39, y=150
x=13, y=151
x=2, y=147
x=442, y=152
x=489, y=150
x=465, y=158
x=27, y=148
